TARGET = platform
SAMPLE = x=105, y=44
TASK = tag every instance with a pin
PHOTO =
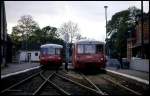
x=129, y=74
x=15, y=68
x=135, y=73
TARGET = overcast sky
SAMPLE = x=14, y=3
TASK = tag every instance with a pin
x=89, y=15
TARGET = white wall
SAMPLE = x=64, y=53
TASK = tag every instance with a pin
x=24, y=55
x=33, y=57
x=139, y=64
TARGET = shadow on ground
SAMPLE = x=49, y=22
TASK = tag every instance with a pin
x=91, y=71
x=55, y=68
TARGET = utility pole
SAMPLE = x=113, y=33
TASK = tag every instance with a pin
x=142, y=41
x=45, y=37
x=106, y=18
x=67, y=50
x=106, y=27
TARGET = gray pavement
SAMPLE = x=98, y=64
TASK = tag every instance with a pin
x=112, y=65
x=139, y=74
x=15, y=67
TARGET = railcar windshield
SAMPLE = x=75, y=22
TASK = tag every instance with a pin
x=80, y=49
x=57, y=51
x=99, y=48
x=50, y=51
x=89, y=48
x=44, y=51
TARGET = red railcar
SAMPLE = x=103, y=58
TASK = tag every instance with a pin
x=50, y=54
x=88, y=54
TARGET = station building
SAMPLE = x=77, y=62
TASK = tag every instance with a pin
x=6, y=43
x=134, y=54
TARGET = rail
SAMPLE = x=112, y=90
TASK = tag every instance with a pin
x=99, y=90
x=126, y=88
x=24, y=80
x=48, y=80
x=81, y=85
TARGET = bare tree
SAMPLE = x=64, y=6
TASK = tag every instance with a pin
x=26, y=24
x=70, y=28
x=79, y=37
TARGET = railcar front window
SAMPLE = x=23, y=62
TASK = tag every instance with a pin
x=99, y=48
x=90, y=49
x=80, y=49
x=44, y=50
x=51, y=51
x=57, y=51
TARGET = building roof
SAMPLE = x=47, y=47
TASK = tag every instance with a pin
x=51, y=45
x=28, y=50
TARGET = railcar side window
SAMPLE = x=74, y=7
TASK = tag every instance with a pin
x=90, y=49
x=80, y=49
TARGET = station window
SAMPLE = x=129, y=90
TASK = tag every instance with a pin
x=36, y=54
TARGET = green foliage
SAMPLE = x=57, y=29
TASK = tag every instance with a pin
x=28, y=35
x=21, y=32
x=45, y=35
x=118, y=27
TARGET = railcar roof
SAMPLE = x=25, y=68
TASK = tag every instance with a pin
x=51, y=45
x=89, y=42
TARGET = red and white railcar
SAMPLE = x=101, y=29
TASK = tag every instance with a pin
x=51, y=54
x=88, y=54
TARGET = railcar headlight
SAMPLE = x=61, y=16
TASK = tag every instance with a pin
x=49, y=57
x=101, y=58
x=59, y=58
x=42, y=58
x=78, y=58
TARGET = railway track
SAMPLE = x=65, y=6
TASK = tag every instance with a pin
x=24, y=87
x=122, y=86
x=49, y=83
x=132, y=87
x=81, y=78
x=76, y=88
x=112, y=85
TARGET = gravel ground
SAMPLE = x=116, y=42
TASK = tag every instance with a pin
x=71, y=87
x=49, y=90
